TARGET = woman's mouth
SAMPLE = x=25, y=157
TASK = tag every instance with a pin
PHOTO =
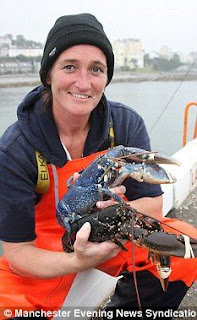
x=80, y=96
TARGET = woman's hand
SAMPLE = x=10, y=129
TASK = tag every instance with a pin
x=89, y=254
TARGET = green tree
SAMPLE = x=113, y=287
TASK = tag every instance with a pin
x=20, y=41
x=162, y=64
x=147, y=60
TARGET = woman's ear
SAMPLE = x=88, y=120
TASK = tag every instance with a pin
x=48, y=79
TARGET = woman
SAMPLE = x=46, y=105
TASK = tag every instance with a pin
x=67, y=121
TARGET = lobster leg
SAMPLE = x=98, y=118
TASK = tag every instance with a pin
x=163, y=263
x=110, y=194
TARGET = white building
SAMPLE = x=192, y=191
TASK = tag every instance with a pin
x=5, y=41
x=31, y=52
x=4, y=52
x=9, y=50
x=165, y=52
x=128, y=53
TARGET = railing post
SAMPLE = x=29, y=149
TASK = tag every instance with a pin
x=186, y=123
x=195, y=130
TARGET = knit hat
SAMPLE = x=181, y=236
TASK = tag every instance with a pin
x=71, y=30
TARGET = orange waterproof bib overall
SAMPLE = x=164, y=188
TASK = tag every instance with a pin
x=18, y=292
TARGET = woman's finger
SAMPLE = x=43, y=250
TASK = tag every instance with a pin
x=82, y=236
x=105, y=204
x=118, y=190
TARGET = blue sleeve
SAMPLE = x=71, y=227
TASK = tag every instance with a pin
x=17, y=200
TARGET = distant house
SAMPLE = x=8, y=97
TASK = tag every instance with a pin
x=128, y=53
x=9, y=47
x=27, y=52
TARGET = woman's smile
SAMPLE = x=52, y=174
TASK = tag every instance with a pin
x=79, y=96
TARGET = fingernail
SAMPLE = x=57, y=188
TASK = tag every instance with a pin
x=98, y=204
x=86, y=225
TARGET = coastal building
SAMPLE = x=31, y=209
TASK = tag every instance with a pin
x=27, y=52
x=19, y=67
x=19, y=56
x=128, y=54
x=19, y=46
x=165, y=52
x=5, y=43
x=13, y=51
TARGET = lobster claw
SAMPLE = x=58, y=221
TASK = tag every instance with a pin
x=163, y=245
x=142, y=172
x=170, y=244
x=145, y=167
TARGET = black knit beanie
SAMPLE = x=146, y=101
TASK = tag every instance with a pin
x=71, y=30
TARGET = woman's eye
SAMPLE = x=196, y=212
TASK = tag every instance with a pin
x=96, y=70
x=69, y=67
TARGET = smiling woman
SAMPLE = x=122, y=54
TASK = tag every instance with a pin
x=77, y=82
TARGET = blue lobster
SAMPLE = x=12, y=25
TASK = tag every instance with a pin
x=108, y=171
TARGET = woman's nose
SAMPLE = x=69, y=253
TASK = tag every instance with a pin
x=83, y=81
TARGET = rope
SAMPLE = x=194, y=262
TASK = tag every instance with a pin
x=188, y=248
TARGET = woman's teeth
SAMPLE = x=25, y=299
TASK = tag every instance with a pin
x=81, y=96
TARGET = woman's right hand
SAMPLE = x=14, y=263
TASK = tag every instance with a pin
x=90, y=254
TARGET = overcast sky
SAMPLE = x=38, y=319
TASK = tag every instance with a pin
x=155, y=22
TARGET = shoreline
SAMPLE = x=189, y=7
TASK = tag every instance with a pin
x=10, y=81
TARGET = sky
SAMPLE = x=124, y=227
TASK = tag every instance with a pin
x=155, y=22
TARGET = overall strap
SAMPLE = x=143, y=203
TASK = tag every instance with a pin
x=111, y=134
x=55, y=177
x=110, y=141
x=43, y=181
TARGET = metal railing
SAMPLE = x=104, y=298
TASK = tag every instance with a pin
x=185, y=129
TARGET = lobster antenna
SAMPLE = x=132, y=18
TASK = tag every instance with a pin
x=166, y=224
x=134, y=269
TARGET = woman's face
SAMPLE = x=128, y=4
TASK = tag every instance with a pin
x=78, y=78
